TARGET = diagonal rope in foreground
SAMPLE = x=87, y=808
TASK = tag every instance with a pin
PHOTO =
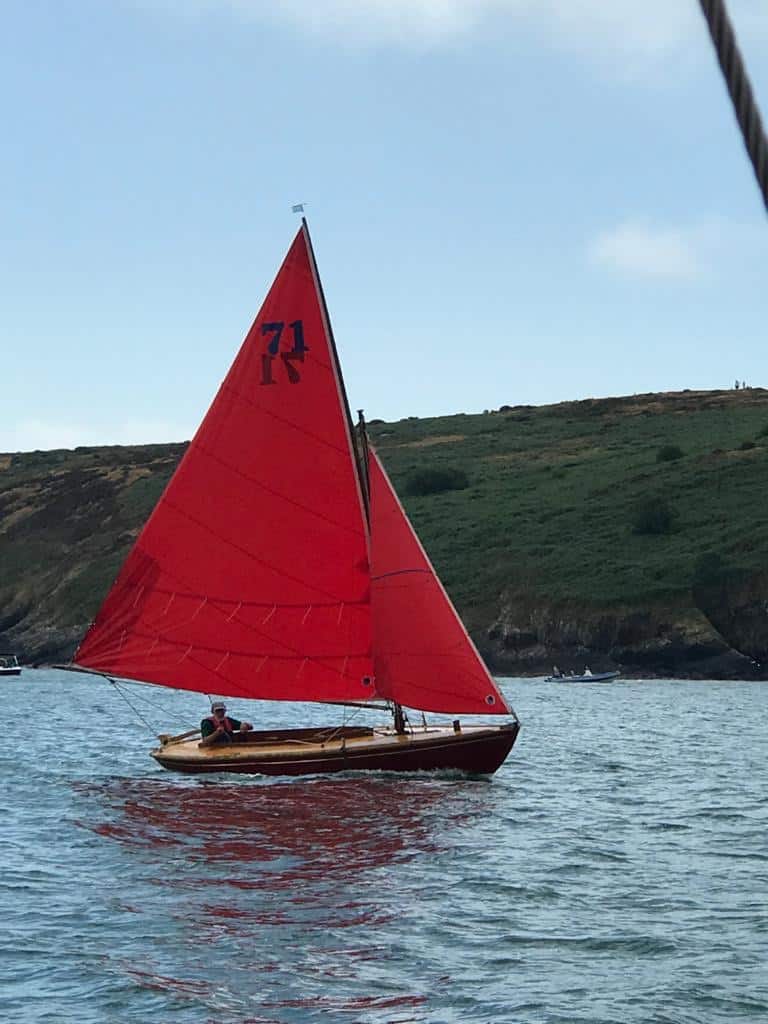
x=740, y=89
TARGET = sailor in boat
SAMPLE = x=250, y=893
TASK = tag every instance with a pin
x=587, y=671
x=219, y=727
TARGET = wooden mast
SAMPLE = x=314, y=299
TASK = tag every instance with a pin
x=362, y=448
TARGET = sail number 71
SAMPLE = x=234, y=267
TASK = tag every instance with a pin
x=290, y=357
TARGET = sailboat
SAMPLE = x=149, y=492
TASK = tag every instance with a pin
x=279, y=564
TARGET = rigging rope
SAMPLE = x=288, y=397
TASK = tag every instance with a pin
x=740, y=89
x=156, y=705
x=131, y=706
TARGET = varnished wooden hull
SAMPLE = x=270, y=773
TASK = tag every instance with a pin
x=474, y=749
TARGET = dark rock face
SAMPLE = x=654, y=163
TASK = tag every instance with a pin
x=736, y=604
x=47, y=646
x=529, y=640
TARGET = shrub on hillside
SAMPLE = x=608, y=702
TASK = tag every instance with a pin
x=434, y=481
x=654, y=516
x=669, y=453
x=746, y=445
x=763, y=432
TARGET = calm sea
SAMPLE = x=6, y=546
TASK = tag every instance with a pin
x=614, y=870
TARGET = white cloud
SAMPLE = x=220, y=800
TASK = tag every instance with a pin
x=688, y=252
x=640, y=250
x=616, y=30
x=44, y=435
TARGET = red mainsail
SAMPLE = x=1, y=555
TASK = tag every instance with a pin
x=422, y=655
x=251, y=577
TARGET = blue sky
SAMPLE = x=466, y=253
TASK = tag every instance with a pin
x=511, y=201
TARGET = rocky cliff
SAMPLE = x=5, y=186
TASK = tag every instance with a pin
x=642, y=641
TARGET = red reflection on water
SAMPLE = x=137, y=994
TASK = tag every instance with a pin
x=300, y=843
x=265, y=1020
x=353, y=1003
x=162, y=983
x=299, y=831
x=280, y=862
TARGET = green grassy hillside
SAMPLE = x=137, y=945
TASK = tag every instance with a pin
x=545, y=523
x=554, y=491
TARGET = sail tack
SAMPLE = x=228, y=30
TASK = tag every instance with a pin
x=251, y=577
x=423, y=657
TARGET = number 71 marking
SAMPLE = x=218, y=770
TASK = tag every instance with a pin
x=294, y=355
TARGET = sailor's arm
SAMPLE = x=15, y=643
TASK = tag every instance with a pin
x=209, y=734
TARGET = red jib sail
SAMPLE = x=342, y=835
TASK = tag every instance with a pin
x=422, y=655
x=251, y=577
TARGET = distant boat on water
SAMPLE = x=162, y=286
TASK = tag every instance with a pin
x=587, y=676
x=9, y=665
